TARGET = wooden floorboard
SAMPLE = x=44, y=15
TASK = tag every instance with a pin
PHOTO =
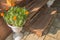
x=42, y=22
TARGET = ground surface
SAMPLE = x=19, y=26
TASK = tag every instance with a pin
x=53, y=33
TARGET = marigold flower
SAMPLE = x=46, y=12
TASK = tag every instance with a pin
x=14, y=18
x=2, y=14
x=12, y=4
x=27, y=12
x=8, y=2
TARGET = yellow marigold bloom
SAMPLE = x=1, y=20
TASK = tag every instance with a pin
x=2, y=14
x=14, y=18
x=27, y=12
x=10, y=2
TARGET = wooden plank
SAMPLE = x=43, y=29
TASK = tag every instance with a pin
x=29, y=22
x=4, y=29
x=22, y=3
x=29, y=4
x=34, y=8
x=42, y=22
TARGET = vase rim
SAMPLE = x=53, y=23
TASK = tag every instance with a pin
x=13, y=26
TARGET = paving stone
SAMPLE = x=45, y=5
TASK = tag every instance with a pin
x=58, y=37
x=31, y=37
x=36, y=37
x=41, y=38
x=56, y=23
x=53, y=32
x=25, y=35
x=58, y=16
x=10, y=37
x=58, y=34
x=49, y=38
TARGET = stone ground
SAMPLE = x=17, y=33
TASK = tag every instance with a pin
x=53, y=33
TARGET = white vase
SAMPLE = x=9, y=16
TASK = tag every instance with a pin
x=17, y=35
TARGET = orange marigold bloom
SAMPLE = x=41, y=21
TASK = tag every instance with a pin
x=14, y=18
x=27, y=12
x=8, y=2
x=2, y=14
x=12, y=4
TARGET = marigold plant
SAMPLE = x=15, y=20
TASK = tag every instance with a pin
x=2, y=14
x=16, y=16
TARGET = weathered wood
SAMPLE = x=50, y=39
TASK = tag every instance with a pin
x=31, y=21
x=42, y=22
x=22, y=3
x=33, y=1
x=34, y=8
x=4, y=29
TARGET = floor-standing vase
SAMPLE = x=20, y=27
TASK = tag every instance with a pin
x=17, y=35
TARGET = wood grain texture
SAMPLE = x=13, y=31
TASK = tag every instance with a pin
x=4, y=29
x=42, y=22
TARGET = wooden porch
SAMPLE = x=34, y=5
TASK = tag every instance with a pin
x=38, y=23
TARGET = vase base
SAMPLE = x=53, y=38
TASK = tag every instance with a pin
x=17, y=36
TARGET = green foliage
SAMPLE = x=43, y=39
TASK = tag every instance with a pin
x=20, y=15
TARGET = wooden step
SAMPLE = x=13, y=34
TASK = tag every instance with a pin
x=40, y=25
x=35, y=17
x=35, y=7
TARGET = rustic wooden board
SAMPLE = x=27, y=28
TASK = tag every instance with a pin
x=35, y=7
x=22, y=2
x=4, y=29
x=42, y=22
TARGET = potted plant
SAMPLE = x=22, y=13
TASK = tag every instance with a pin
x=15, y=18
